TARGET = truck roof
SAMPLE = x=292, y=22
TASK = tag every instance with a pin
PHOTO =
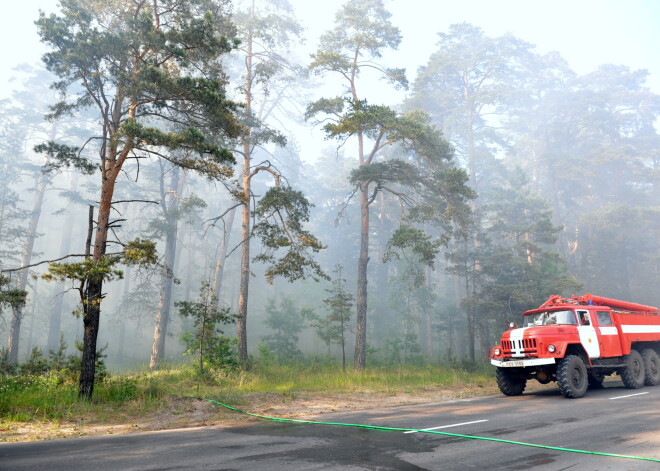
x=558, y=302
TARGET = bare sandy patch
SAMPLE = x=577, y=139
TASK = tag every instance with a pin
x=195, y=412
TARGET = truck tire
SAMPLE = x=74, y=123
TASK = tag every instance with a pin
x=651, y=367
x=572, y=377
x=633, y=374
x=511, y=383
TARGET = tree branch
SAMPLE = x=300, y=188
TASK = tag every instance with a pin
x=41, y=263
x=135, y=201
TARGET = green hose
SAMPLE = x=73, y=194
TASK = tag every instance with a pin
x=399, y=429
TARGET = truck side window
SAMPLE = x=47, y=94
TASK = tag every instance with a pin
x=604, y=318
x=584, y=318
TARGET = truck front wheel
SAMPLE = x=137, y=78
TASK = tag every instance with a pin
x=651, y=364
x=510, y=382
x=572, y=377
x=633, y=374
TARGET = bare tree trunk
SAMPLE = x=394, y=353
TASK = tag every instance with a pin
x=164, y=303
x=428, y=326
x=33, y=318
x=459, y=350
x=17, y=313
x=380, y=270
x=470, y=319
x=222, y=256
x=241, y=324
x=361, y=301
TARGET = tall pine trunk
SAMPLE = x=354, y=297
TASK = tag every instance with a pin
x=241, y=323
x=361, y=301
x=93, y=292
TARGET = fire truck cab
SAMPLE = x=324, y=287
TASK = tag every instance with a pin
x=578, y=341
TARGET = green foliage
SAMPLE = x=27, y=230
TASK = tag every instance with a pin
x=329, y=106
x=62, y=155
x=514, y=266
x=14, y=298
x=426, y=184
x=281, y=213
x=390, y=171
x=406, y=239
x=333, y=327
x=58, y=367
x=374, y=121
x=218, y=352
x=36, y=363
x=287, y=322
x=140, y=252
x=188, y=140
x=363, y=27
x=206, y=341
x=403, y=349
x=175, y=78
x=58, y=358
x=88, y=269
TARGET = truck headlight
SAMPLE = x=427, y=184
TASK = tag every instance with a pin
x=497, y=351
x=552, y=348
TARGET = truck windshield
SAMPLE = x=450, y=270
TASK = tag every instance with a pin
x=550, y=318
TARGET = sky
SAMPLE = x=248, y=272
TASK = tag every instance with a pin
x=587, y=33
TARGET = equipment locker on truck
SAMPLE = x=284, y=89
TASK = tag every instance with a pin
x=576, y=342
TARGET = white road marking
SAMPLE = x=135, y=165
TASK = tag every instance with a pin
x=629, y=395
x=448, y=426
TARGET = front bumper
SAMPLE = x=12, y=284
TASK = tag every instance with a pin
x=523, y=363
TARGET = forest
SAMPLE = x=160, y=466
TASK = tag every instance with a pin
x=156, y=205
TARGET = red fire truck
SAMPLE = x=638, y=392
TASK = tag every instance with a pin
x=577, y=341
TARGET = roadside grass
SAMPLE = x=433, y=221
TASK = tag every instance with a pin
x=322, y=378
x=127, y=397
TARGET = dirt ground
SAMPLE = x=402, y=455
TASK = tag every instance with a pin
x=191, y=412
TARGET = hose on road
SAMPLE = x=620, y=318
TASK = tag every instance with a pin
x=447, y=434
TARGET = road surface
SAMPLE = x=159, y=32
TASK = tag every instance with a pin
x=611, y=420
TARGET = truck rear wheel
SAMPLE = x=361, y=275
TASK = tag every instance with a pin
x=510, y=382
x=572, y=377
x=651, y=363
x=633, y=374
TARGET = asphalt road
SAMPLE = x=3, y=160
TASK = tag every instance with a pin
x=611, y=420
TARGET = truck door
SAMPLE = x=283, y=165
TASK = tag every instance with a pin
x=610, y=344
x=588, y=335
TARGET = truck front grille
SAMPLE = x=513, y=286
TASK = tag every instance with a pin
x=527, y=346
